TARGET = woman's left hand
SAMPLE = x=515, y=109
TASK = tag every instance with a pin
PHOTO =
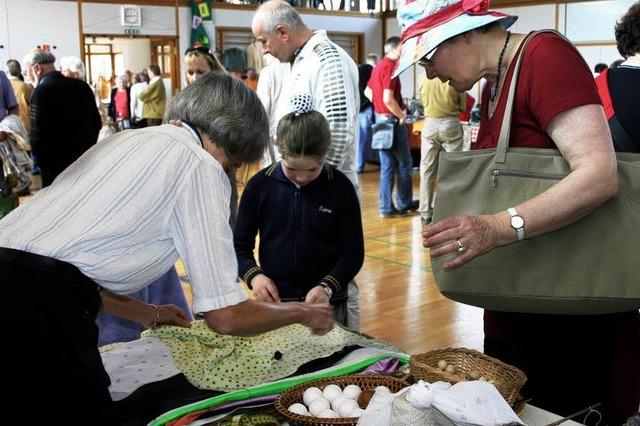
x=168, y=315
x=317, y=295
x=468, y=236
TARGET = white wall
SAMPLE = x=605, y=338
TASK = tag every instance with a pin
x=30, y=23
x=4, y=34
x=98, y=18
x=368, y=26
x=136, y=52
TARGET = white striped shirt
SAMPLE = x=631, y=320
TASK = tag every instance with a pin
x=325, y=71
x=129, y=207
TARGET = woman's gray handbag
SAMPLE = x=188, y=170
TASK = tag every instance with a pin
x=589, y=267
x=382, y=135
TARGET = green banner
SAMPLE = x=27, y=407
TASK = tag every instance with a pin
x=200, y=11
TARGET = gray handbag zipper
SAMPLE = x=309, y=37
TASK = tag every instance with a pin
x=514, y=173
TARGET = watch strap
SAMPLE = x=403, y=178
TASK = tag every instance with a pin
x=519, y=231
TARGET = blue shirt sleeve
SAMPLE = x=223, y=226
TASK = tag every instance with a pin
x=8, y=97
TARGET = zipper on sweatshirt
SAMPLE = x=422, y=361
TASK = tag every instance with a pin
x=296, y=221
x=496, y=173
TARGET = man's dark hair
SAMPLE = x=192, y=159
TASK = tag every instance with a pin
x=627, y=31
x=154, y=69
x=600, y=67
x=13, y=66
x=391, y=43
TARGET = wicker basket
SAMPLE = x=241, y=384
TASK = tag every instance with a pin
x=506, y=378
x=365, y=382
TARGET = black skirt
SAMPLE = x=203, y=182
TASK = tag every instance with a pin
x=54, y=369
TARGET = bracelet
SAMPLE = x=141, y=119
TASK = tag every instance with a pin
x=155, y=322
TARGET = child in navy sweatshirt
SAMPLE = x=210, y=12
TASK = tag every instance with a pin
x=308, y=217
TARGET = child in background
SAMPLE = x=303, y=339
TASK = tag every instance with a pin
x=308, y=216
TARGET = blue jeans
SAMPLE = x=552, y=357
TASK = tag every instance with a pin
x=396, y=160
x=364, y=137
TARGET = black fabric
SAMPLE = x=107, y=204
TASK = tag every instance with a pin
x=364, y=74
x=154, y=399
x=54, y=368
x=64, y=123
x=624, y=85
x=572, y=361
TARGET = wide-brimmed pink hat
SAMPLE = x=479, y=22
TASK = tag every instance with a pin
x=427, y=23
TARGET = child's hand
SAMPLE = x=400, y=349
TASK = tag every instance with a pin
x=317, y=295
x=264, y=289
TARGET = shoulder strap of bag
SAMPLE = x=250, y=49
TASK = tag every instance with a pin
x=622, y=142
x=602, y=83
x=503, y=139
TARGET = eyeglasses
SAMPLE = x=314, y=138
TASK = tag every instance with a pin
x=427, y=60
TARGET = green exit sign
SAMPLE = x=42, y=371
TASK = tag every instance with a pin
x=131, y=31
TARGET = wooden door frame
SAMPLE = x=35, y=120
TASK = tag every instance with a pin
x=174, y=43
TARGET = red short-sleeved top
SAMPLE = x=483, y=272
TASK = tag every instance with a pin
x=121, y=100
x=553, y=78
x=380, y=80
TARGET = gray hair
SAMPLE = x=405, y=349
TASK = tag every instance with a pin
x=228, y=111
x=391, y=44
x=38, y=56
x=123, y=78
x=278, y=12
x=73, y=64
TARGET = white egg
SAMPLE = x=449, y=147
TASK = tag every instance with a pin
x=331, y=392
x=382, y=389
x=310, y=395
x=352, y=392
x=356, y=413
x=347, y=407
x=298, y=408
x=328, y=414
x=318, y=406
x=337, y=401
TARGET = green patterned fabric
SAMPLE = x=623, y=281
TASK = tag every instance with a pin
x=226, y=363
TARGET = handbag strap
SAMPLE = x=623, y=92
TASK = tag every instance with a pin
x=505, y=129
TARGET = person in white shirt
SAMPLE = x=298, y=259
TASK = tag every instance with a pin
x=319, y=68
x=139, y=85
x=269, y=90
x=113, y=222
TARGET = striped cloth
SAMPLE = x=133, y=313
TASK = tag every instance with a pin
x=129, y=207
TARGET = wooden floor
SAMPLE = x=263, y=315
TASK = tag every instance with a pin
x=399, y=300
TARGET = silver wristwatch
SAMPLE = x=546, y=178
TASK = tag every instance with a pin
x=517, y=223
x=327, y=289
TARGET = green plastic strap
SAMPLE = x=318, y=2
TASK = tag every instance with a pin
x=271, y=388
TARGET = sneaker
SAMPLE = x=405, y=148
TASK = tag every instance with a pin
x=394, y=213
x=413, y=206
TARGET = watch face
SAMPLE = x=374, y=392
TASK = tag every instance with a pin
x=517, y=222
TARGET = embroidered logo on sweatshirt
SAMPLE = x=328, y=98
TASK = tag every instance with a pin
x=323, y=209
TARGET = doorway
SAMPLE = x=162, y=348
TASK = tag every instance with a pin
x=109, y=56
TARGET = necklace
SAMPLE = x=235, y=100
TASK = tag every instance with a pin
x=494, y=87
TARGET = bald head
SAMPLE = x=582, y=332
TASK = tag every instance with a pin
x=277, y=12
x=279, y=29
